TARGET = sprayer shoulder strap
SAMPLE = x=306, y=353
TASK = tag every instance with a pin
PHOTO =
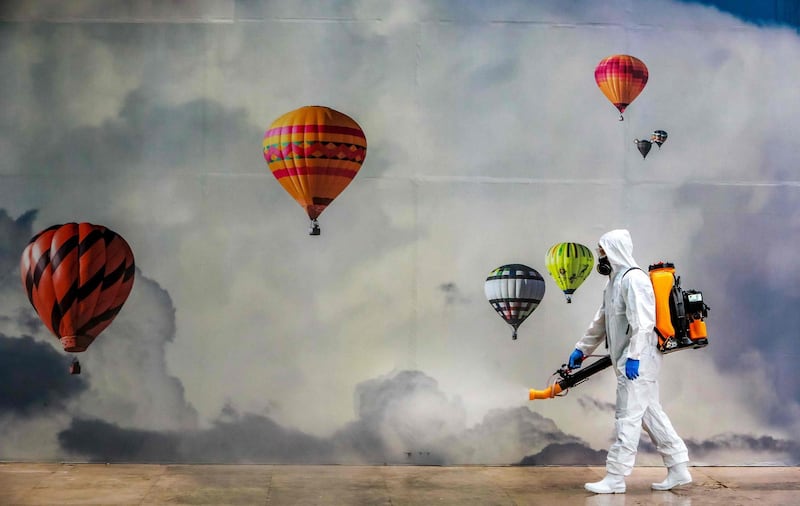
x=626, y=272
x=631, y=269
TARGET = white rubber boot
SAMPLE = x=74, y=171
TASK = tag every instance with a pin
x=677, y=475
x=611, y=484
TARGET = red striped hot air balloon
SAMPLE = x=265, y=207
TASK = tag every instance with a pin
x=314, y=152
x=621, y=78
x=77, y=277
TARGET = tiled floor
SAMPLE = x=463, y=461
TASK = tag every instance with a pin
x=118, y=484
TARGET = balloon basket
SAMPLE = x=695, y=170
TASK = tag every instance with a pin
x=76, y=344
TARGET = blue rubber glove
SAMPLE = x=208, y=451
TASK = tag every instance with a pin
x=575, y=359
x=632, y=369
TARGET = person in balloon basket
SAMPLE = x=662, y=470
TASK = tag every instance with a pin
x=625, y=322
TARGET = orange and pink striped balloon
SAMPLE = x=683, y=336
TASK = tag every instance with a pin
x=314, y=152
x=621, y=78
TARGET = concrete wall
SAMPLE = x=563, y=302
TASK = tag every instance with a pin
x=246, y=340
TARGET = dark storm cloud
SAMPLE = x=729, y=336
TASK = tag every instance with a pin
x=255, y=438
x=34, y=377
x=105, y=442
x=249, y=438
x=716, y=450
x=566, y=454
x=734, y=442
x=387, y=430
x=384, y=432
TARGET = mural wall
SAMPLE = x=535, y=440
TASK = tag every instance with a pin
x=244, y=339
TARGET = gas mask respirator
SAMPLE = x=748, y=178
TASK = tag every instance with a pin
x=603, y=266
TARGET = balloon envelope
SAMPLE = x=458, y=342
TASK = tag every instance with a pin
x=314, y=152
x=569, y=263
x=77, y=277
x=514, y=291
x=659, y=137
x=621, y=78
x=644, y=146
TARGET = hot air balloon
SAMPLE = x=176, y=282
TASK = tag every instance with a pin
x=77, y=277
x=644, y=146
x=569, y=263
x=514, y=291
x=621, y=78
x=659, y=137
x=314, y=152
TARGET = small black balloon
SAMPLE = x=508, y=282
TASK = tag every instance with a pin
x=644, y=146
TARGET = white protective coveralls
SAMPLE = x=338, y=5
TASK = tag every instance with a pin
x=627, y=318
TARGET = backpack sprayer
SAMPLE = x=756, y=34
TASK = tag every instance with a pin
x=680, y=325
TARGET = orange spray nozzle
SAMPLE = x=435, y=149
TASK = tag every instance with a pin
x=547, y=393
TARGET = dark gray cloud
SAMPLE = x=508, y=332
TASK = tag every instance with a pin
x=717, y=449
x=738, y=442
x=34, y=377
x=255, y=438
x=241, y=439
x=713, y=451
x=566, y=454
x=390, y=428
x=387, y=430
x=102, y=441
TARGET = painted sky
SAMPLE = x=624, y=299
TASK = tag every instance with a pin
x=776, y=12
x=244, y=339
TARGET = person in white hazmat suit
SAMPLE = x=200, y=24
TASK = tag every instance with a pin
x=625, y=322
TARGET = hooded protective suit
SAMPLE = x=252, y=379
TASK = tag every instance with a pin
x=627, y=320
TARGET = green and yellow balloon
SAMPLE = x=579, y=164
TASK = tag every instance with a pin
x=569, y=263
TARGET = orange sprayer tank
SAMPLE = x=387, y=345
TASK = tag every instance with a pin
x=679, y=313
x=662, y=276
